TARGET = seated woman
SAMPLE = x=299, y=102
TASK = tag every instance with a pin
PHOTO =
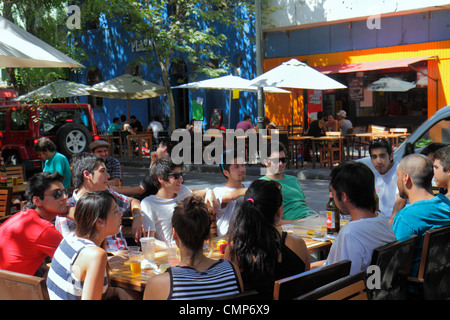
x=263, y=253
x=78, y=269
x=196, y=277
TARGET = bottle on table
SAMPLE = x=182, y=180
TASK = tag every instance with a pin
x=333, y=216
x=3, y=174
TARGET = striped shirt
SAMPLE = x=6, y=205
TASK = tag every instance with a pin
x=219, y=280
x=62, y=284
x=113, y=243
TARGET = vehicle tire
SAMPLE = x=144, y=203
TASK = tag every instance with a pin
x=72, y=138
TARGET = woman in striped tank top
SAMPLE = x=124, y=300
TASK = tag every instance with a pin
x=78, y=269
x=197, y=276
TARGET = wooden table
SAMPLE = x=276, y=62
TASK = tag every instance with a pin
x=366, y=137
x=329, y=140
x=120, y=274
x=139, y=138
x=19, y=189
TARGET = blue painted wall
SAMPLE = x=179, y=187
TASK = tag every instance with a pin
x=112, y=58
x=399, y=30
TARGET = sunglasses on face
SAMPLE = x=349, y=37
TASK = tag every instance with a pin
x=278, y=160
x=58, y=193
x=177, y=175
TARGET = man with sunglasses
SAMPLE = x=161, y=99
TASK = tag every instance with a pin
x=294, y=200
x=385, y=170
x=29, y=236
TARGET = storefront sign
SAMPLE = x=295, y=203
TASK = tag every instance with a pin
x=356, y=87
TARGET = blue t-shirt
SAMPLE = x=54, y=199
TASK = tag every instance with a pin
x=419, y=217
x=60, y=164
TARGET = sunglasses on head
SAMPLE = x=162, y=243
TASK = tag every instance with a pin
x=177, y=175
x=58, y=193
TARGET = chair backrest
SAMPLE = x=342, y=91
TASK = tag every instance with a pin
x=394, y=260
x=351, y=287
x=374, y=128
x=15, y=171
x=334, y=133
x=435, y=264
x=17, y=286
x=398, y=130
x=297, y=285
x=5, y=201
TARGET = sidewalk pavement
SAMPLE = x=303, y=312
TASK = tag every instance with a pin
x=305, y=173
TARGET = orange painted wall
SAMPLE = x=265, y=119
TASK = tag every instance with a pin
x=279, y=106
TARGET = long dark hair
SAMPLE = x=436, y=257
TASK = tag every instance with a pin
x=91, y=207
x=254, y=237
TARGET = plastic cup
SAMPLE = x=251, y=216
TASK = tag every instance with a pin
x=148, y=248
x=135, y=262
x=133, y=248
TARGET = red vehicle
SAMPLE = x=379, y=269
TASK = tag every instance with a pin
x=70, y=126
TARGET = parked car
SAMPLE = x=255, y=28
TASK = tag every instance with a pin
x=70, y=126
x=435, y=129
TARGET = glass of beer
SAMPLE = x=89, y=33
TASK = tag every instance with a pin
x=135, y=258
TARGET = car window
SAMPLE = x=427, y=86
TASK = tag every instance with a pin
x=20, y=120
x=440, y=132
x=52, y=119
x=3, y=120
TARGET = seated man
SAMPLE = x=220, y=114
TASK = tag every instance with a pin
x=101, y=148
x=425, y=210
x=29, y=236
x=54, y=161
x=158, y=209
x=353, y=188
x=294, y=204
x=228, y=194
x=89, y=174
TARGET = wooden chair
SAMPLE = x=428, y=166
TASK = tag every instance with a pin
x=5, y=203
x=433, y=280
x=332, y=152
x=17, y=286
x=297, y=285
x=295, y=130
x=394, y=260
x=246, y=295
x=398, y=130
x=15, y=171
x=352, y=287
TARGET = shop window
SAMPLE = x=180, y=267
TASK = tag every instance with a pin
x=94, y=76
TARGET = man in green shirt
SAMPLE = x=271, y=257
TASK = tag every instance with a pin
x=54, y=161
x=294, y=204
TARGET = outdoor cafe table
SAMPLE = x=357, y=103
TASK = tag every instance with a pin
x=296, y=142
x=19, y=189
x=393, y=138
x=120, y=272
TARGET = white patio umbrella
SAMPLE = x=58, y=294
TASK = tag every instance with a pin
x=54, y=90
x=126, y=87
x=21, y=49
x=229, y=83
x=391, y=85
x=295, y=74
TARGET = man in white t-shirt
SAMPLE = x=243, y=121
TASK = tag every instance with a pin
x=229, y=194
x=385, y=171
x=155, y=127
x=168, y=178
x=353, y=189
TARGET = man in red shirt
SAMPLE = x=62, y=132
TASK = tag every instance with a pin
x=29, y=236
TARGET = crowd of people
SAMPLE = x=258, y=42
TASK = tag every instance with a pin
x=81, y=233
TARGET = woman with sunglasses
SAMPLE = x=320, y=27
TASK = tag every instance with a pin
x=262, y=252
x=78, y=269
x=294, y=200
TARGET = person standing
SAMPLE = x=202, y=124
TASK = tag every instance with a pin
x=385, y=171
x=54, y=161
